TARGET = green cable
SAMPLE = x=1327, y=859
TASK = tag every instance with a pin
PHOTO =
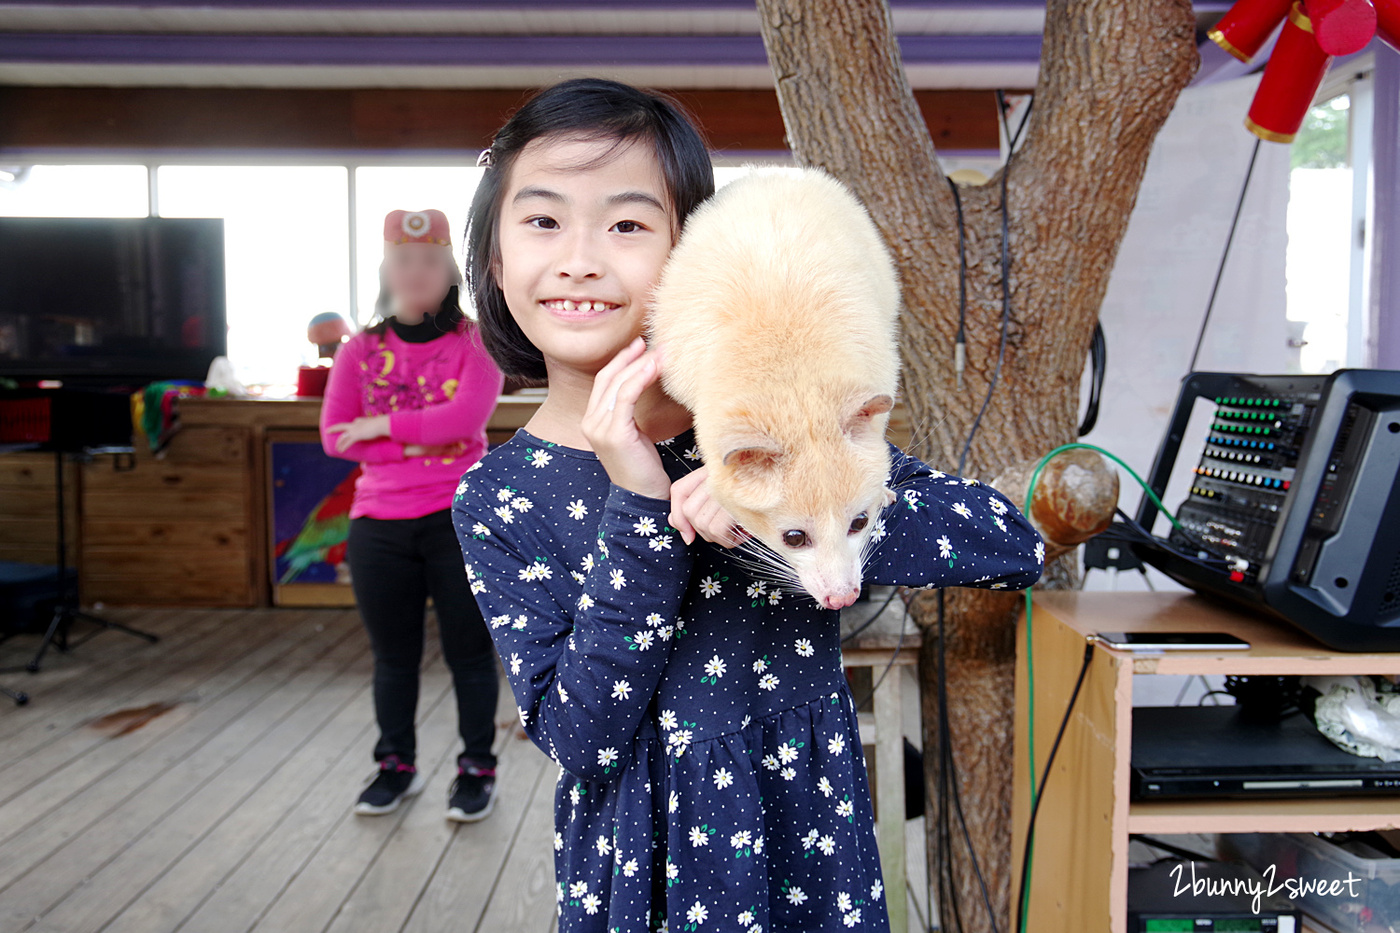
x=1030, y=653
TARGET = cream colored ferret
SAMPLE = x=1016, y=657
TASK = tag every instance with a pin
x=776, y=317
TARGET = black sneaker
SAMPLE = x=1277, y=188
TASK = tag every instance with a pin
x=472, y=795
x=394, y=781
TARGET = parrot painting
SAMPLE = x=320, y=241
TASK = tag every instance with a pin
x=322, y=535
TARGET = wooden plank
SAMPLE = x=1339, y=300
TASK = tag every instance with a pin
x=283, y=853
x=161, y=475
x=321, y=887
x=187, y=745
x=175, y=562
x=1304, y=815
x=222, y=503
x=78, y=686
x=474, y=863
x=126, y=590
x=526, y=900
x=143, y=533
x=313, y=594
x=265, y=735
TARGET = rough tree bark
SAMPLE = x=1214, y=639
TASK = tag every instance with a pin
x=1110, y=72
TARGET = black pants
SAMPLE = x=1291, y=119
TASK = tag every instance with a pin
x=395, y=564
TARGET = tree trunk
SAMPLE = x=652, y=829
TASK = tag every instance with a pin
x=1110, y=72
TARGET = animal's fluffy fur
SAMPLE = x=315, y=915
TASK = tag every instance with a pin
x=776, y=316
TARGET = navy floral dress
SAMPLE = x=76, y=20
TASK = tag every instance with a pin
x=711, y=775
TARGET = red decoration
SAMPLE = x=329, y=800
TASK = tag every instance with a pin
x=1342, y=27
x=1388, y=22
x=1291, y=79
x=417, y=227
x=1243, y=30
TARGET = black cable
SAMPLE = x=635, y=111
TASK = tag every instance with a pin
x=1045, y=777
x=875, y=615
x=960, y=343
x=1098, y=353
x=1220, y=270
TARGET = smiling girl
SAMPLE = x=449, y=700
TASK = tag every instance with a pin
x=710, y=770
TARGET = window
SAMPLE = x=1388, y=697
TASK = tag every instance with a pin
x=286, y=242
x=73, y=191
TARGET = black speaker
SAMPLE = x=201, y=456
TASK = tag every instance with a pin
x=1294, y=505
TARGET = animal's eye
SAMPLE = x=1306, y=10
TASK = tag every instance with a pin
x=794, y=537
x=859, y=522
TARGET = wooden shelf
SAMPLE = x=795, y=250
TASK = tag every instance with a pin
x=1320, y=815
x=1079, y=879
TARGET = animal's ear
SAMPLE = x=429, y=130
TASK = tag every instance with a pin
x=859, y=420
x=750, y=451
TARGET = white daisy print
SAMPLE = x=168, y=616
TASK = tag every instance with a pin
x=996, y=520
x=692, y=454
x=591, y=903
x=745, y=918
x=646, y=525
x=673, y=803
x=824, y=786
x=667, y=719
x=616, y=578
x=585, y=602
x=539, y=458
x=709, y=586
x=788, y=774
x=998, y=506
x=514, y=663
x=587, y=562
x=945, y=547
x=604, y=846
x=742, y=839
x=505, y=494
x=715, y=667
x=1040, y=551
x=629, y=868
x=563, y=694
x=558, y=842
x=698, y=837
x=770, y=762
x=804, y=648
x=660, y=543
x=878, y=531
x=723, y=778
x=480, y=530
x=773, y=598
x=577, y=510
x=962, y=510
x=827, y=845
x=606, y=757
x=845, y=808
x=678, y=741
x=836, y=744
x=760, y=665
x=810, y=839
x=876, y=889
x=621, y=690
x=787, y=753
x=673, y=871
x=521, y=504
x=852, y=918
x=643, y=640
x=498, y=621
x=507, y=516
x=697, y=913
x=843, y=901
x=795, y=896
x=578, y=889
x=757, y=590
x=767, y=682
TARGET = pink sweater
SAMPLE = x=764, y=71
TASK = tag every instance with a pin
x=439, y=392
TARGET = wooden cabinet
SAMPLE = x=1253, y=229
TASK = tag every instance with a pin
x=1079, y=878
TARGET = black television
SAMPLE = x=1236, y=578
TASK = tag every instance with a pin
x=110, y=301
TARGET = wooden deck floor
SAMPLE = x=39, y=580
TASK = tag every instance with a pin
x=204, y=784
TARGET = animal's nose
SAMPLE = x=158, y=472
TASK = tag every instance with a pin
x=842, y=600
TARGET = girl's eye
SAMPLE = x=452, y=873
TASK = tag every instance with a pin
x=794, y=538
x=544, y=223
x=859, y=522
x=627, y=226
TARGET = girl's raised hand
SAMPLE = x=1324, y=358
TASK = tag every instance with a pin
x=610, y=424
x=363, y=428
x=694, y=513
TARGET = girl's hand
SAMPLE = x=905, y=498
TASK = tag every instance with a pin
x=694, y=513
x=363, y=428
x=610, y=424
x=455, y=449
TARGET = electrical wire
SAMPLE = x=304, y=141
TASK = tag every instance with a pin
x=1225, y=254
x=960, y=342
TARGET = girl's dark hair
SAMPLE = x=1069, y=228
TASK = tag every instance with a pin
x=583, y=108
x=448, y=315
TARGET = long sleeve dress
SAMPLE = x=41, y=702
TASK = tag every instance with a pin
x=711, y=775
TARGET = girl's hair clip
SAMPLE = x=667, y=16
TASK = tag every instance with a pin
x=484, y=160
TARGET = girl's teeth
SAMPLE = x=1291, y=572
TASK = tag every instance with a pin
x=587, y=306
x=568, y=305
